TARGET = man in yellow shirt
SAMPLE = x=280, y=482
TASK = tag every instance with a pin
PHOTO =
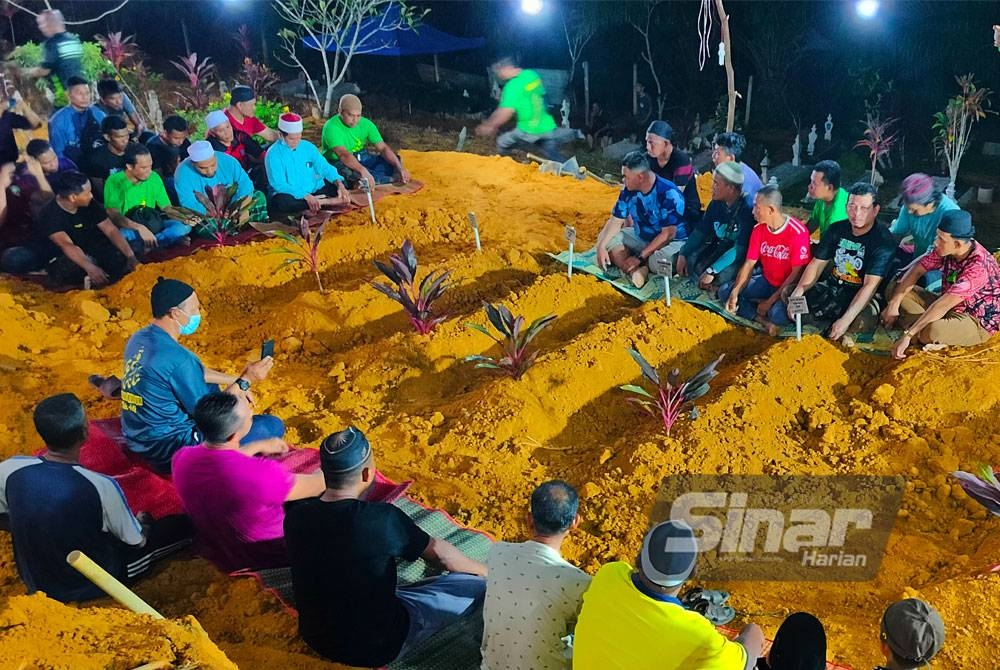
x=632, y=619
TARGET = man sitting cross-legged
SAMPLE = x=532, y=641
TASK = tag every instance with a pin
x=346, y=141
x=53, y=505
x=968, y=310
x=236, y=143
x=532, y=593
x=300, y=178
x=343, y=553
x=206, y=168
x=648, y=216
x=233, y=497
x=781, y=245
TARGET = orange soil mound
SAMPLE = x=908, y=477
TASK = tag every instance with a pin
x=476, y=444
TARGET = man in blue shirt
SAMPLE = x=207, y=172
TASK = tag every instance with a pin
x=53, y=505
x=300, y=178
x=205, y=168
x=648, y=217
x=163, y=381
x=74, y=129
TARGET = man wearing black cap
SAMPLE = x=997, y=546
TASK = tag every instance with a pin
x=912, y=634
x=242, y=114
x=632, y=619
x=673, y=164
x=163, y=381
x=968, y=311
x=343, y=553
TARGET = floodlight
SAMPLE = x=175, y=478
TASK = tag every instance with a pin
x=531, y=6
x=866, y=9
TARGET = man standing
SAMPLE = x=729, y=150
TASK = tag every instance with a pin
x=74, y=129
x=241, y=112
x=674, y=165
x=343, y=553
x=135, y=199
x=716, y=247
x=62, y=52
x=532, y=593
x=648, y=216
x=729, y=147
x=355, y=147
x=781, y=245
x=54, y=506
x=233, y=497
x=523, y=98
x=643, y=106
x=862, y=253
x=968, y=309
x=300, y=178
x=831, y=199
x=632, y=619
x=163, y=381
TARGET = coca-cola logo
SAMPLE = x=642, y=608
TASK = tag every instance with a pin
x=776, y=251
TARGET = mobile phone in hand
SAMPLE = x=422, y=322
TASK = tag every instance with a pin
x=267, y=349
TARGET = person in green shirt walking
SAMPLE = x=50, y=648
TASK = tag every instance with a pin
x=831, y=199
x=355, y=147
x=523, y=97
x=135, y=199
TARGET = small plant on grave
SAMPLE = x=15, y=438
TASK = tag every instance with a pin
x=668, y=400
x=417, y=300
x=514, y=339
x=302, y=250
x=224, y=214
x=984, y=488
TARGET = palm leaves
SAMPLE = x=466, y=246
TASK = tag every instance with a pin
x=954, y=125
x=416, y=300
x=224, y=213
x=302, y=250
x=517, y=357
x=668, y=400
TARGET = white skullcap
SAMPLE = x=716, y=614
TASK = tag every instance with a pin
x=290, y=123
x=200, y=151
x=216, y=118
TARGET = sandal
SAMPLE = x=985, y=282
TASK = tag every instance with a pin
x=109, y=387
x=719, y=615
x=696, y=595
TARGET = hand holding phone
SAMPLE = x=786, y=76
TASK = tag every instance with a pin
x=267, y=349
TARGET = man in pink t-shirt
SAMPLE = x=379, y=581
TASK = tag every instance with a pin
x=235, y=497
x=781, y=245
x=241, y=110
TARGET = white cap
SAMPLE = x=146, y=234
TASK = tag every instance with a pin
x=290, y=123
x=200, y=151
x=216, y=118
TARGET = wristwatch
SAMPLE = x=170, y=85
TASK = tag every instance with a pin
x=907, y=333
x=242, y=383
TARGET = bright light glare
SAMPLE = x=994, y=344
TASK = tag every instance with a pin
x=531, y=6
x=866, y=9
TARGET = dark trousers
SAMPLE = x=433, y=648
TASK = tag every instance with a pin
x=166, y=536
x=64, y=272
x=283, y=203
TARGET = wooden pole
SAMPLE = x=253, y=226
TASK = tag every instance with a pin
x=746, y=112
x=187, y=42
x=264, y=53
x=730, y=76
x=437, y=75
x=635, y=97
x=586, y=93
x=107, y=583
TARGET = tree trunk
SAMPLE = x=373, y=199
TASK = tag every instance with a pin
x=730, y=76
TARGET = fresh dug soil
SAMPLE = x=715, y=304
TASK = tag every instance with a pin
x=476, y=444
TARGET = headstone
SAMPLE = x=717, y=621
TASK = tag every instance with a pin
x=617, y=151
x=722, y=54
x=828, y=127
x=462, y=136
x=765, y=163
x=564, y=111
x=991, y=148
x=811, y=149
x=789, y=175
x=796, y=150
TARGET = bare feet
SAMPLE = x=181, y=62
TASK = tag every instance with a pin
x=638, y=277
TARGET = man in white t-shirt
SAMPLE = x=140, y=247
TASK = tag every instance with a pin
x=532, y=594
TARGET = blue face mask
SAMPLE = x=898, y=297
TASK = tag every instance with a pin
x=194, y=320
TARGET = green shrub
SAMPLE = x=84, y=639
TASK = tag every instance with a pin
x=267, y=111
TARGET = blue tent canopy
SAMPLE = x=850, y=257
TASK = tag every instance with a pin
x=403, y=41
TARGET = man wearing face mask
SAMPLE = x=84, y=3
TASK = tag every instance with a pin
x=163, y=381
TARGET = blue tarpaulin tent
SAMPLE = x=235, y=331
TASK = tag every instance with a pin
x=402, y=41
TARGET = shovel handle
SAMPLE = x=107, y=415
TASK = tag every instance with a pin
x=107, y=583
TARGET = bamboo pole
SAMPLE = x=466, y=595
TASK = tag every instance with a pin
x=586, y=93
x=107, y=583
x=635, y=96
x=746, y=111
x=730, y=76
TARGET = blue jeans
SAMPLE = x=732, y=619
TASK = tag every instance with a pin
x=435, y=603
x=757, y=290
x=19, y=260
x=172, y=233
x=265, y=426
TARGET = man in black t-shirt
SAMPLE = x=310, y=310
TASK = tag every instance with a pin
x=674, y=165
x=862, y=254
x=343, y=553
x=20, y=116
x=62, y=52
x=76, y=237
x=108, y=157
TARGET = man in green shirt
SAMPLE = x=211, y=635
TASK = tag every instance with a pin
x=831, y=199
x=355, y=147
x=523, y=97
x=135, y=199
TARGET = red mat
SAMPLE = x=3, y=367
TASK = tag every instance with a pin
x=146, y=491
